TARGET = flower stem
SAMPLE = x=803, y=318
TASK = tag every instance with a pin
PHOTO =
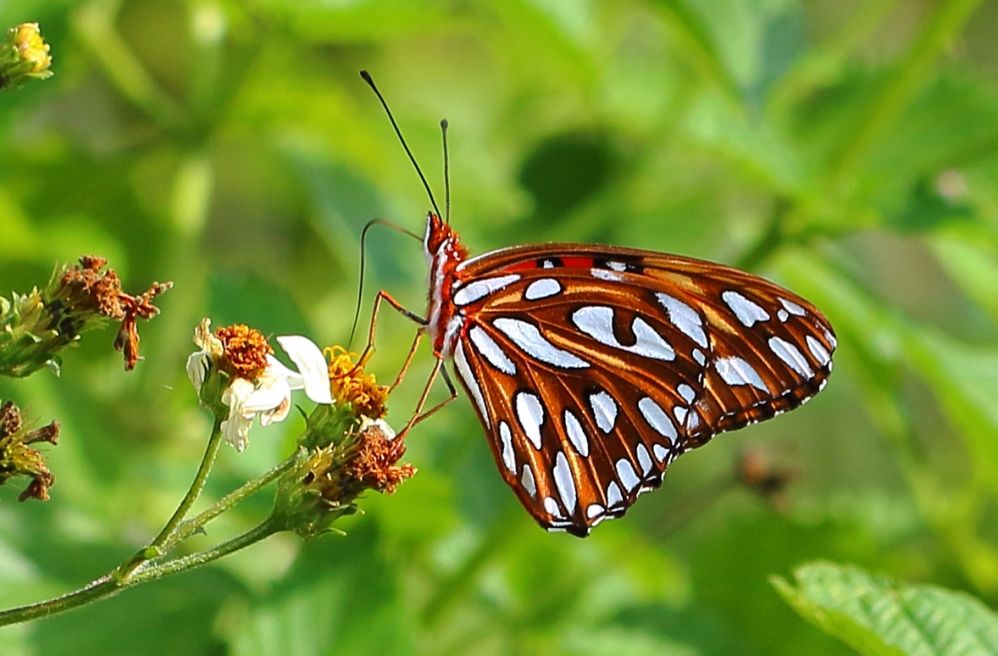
x=131, y=573
x=151, y=572
x=188, y=527
x=156, y=547
x=207, y=462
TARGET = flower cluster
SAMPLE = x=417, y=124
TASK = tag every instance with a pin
x=24, y=55
x=351, y=385
x=346, y=448
x=34, y=327
x=239, y=379
x=19, y=459
x=328, y=479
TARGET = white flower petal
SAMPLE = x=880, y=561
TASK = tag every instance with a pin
x=198, y=364
x=270, y=393
x=276, y=368
x=367, y=422
x=235, y=429
x=207, y=340
x=236, y=394
x=311, y=364
x=279, y=413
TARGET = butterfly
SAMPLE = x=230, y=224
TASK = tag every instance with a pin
x=591, y=368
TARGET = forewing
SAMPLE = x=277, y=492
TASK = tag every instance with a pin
x=592, y=368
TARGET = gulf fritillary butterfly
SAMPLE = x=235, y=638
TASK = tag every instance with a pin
x=592, y=367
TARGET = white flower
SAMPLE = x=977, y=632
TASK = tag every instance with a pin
x=199, y=362
x=269, y=396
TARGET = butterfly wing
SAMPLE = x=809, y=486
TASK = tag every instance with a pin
x=592, y=368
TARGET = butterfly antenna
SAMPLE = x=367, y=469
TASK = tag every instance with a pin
x=360, y=278
x=398, y=131
x=443, y=133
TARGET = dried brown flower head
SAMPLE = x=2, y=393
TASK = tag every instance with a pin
x=18, y=459
x=87, y=291
x=246, y=351
x=373, y=464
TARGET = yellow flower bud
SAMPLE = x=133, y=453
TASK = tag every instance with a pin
x=31, y=48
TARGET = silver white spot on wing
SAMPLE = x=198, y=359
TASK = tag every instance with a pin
x=830, y=337
x=700, y=357
x=644, y=459
x=479, y=289
x=656, y=417
x=597, y=322
x=506, y=439
x=617, y=266
x=686, y=392
x=680, y=414
x=547, y=264
x=530, y=413
x=613, y=495
x=542, y=288
x=660, y=451
x=747, y=311
x=606, y=274
x=625, y=472
x=526, y=336
x=820, y=353
x=604, y=410
x=527, y=480
x=576, y=434
x=782, y=315
x=736, y=371
x=464, y=371
x=563, y=482
x=594, y=510
x=683, y=317
x=791, y=355
x=551, y=506
x=792, y=307
x=491, y=351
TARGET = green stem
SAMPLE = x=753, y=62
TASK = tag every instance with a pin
x=207, y=462
x=102, y=588
x=121, y=579
x=156, y=547
x=151, y=572
x=188, y=527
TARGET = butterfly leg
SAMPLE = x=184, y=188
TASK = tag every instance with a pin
x=372, y=330
x=408, y=361
x=418, y=415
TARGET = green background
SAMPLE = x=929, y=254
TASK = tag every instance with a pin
x=848, y=150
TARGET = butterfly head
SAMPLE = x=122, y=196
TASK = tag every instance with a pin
x=441, y=242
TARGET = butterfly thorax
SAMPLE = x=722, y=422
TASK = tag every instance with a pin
x=444, y=252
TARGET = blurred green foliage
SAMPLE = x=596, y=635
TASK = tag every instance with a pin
x=847, y=149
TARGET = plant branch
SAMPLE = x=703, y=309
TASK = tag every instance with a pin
x=188, y=527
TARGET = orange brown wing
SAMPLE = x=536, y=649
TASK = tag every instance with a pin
x=592, y=368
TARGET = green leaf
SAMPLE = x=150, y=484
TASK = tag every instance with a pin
x=876, y=615
x=970, y=256
x=965, y=380
x=340, y=597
